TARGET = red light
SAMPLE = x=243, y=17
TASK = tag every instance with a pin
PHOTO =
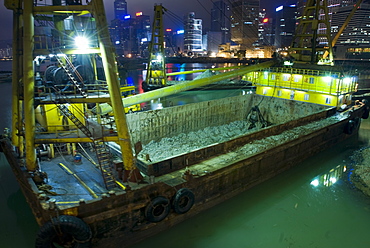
x=265, y=20
x=168, y=30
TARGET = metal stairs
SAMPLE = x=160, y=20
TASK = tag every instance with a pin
x=102, y=151
x=104, y=159
x=70, y=75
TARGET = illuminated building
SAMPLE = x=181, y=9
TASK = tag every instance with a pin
x=266, y=30
x=285, y=25
x=354, y=43
x=244, y=22
x=220, y=20
x=193, y=34
x=120, y=9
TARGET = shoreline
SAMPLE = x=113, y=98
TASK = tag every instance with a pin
x=360, y=176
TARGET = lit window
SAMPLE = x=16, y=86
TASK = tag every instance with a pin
x=306, y=97
x=297, y=78
x=279, y=93
x=312, y=80
x=273, y=77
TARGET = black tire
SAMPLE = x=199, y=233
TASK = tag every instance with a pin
x=365, y=115
x=183, y=201
x=158, y=209
x=64, y=231
x=350, y=127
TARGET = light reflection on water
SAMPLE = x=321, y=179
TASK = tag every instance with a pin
x=286, y=211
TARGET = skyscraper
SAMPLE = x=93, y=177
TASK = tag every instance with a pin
x=220, y=20
x=120, y=9
x=244, y=22
x=193, y=34
x=285, y=25
x=266, y=30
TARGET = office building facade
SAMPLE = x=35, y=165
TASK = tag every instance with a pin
x=285, y=25
x=192, y=34
x=244, y=22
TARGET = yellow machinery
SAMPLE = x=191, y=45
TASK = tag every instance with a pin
x=72, y=24
x=319, y=86
x=156, y=71
x=310, y=75
x=305, y=44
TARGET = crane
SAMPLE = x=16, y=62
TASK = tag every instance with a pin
x=305, y=47
x=156, y=71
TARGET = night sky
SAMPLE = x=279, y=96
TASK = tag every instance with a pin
x=178, y=7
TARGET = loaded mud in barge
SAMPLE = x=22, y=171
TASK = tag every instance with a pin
x=171, y=189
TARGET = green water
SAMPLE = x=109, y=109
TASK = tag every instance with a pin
x=286, y=211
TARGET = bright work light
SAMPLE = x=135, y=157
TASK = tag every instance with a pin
x=81, y=42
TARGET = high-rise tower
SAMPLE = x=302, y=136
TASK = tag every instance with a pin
x=244, y=22
x=193, y=34
x=220, y=20
x=120, y=9
x=285, y=25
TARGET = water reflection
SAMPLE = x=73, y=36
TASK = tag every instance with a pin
x=286, y=211
x=330, y=178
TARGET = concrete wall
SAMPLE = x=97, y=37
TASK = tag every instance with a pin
x=156, y=124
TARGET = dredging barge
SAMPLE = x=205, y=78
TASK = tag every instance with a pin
x=96, y=179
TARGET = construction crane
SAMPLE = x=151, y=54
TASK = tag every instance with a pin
x=309, y=45
x=156, y=70
x=345, y=24
x=304, y=47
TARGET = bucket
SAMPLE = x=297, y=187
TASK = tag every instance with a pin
x=77, y=158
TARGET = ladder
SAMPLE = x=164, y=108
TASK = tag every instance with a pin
x=104, y=159
x=102, y=151
x=70, y=75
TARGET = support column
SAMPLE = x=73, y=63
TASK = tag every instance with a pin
x=111, y=73
x=29, y=85
x=16, y=75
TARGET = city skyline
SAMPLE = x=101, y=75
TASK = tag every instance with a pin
x=200, y=7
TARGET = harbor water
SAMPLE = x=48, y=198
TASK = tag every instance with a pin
x=312, y=205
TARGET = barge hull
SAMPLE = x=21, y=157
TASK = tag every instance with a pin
x=119, y=217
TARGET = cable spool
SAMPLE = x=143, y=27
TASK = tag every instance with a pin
x=49, y=73
x=60, y=76
x=86, y=73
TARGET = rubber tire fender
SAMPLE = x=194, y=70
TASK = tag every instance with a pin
x=352, y=125
x=183, y=201
x=158, y=209
x=365, y=115
x=64, y=227
x=349, y=127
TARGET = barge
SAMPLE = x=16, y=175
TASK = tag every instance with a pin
x=95, y=179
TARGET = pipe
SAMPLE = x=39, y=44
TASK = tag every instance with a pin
x=170, y=90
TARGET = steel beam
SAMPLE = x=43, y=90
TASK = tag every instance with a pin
x=170, y=90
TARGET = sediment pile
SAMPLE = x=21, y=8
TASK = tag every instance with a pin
x=186, y=142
